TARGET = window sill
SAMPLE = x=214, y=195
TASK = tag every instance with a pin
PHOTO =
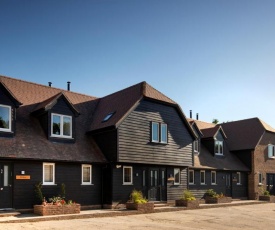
x=62, y=137
x=49, y=184
x=239, y=184
x=192, y=184
x=203, y=184
x=271, y=157
x=128, y=184
x=86, y=184
x=214, y=184
x=219, y=154
x=160, y=143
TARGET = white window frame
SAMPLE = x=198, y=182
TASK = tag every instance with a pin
x=9, y=129
x=61, y=125
x=260, y=178
x=176, y=170
x=196, y=146
x=166, y=133
x=193, y=177
x=239, y=178
x=202, y=183
x=126, y=182
x=46, y=182
x=82, y=176
x=271, y=151
x=215, y=177
x=152, y=134
x=220, y=153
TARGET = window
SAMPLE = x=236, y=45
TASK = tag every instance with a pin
x=196, y=146
x=260, y=178
x=239, y=180
x=48, y=173
x=127, y=175
x=86, y=174
x=108, y=117
x=176, y=176
x=202, y=177
x=61, y=126
x=218, y=147
x=191, y=177
x=159, y=133
x=271, y=152
x=5, y=118
x=213, y=177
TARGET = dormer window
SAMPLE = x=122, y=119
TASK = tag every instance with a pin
x=61, y=126
x=271, y=151
x=5, y=118
x=219, y=147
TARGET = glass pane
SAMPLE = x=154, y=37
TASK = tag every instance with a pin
x=6, y=175
x=66, y=126
x=202, y=178
x=4, y=117
x=156, y=178
x=221, y=147
x=191, y=177
x=144, y=178
x=127, y=175
x=162, y=178
x=48, y=173
x=196, y=146
x=177, y=176
x=151, y=176
x=56, y=125
x=164, y=133
x=216, y=147
x=86, y=174
x=155, y=132
x=213, y=177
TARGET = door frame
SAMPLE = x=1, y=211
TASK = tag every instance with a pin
x=6, y=185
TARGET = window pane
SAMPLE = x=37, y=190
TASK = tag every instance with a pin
x=213, y=177
x=56, y=125
x=196, y=146
x=6, y=175
x=144, y=178
x=162, y=178
x=4, y=117
x=48, y=173
x=221, y=147
x=202, y=177
x=127, y=175
x=66, y=126
x=155, y=132
x=191, y=177
x=177, y=175
x=86, y=174
x=164, y=133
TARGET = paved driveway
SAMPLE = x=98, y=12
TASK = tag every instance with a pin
x=261, y=216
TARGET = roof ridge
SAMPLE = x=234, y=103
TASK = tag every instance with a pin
x=38, y=84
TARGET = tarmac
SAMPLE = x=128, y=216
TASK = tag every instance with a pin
x=13, y=216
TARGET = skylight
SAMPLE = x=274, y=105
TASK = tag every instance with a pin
x=108, y=116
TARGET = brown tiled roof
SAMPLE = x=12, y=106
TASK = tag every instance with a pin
x=206, y=160
x=122, y=102
x=30, y=141
x=202, y=124
x=245, y=134
x=212, y=132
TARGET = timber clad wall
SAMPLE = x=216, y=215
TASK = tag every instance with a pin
x=69, y=174
x=135, y=135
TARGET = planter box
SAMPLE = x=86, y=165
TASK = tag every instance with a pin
x=214, y=200
x=147, y=207
x=267, y=198
x=47, y=210
x=187, y=203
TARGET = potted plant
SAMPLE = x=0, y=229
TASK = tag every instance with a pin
x=266, y=196
x=138, y=202
x=211, y=197
x=188, y=200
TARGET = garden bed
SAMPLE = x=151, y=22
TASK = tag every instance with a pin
x=217, y=200
x=47, y=210
x=146, y=207
x=187, y=203
x=270, y=199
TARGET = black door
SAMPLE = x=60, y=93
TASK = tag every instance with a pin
x=5, y=186
x=228, y=188
x=157, y=184
x=270, y=183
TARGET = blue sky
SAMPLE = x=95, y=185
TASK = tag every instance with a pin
x=215, y=57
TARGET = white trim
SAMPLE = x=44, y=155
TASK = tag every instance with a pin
x=271, y=151
x=46, y=182
x=61, y=125
x=9, y=129
x=196, y=144
x=131, y=176
x=239, y=178
x=202, y=171
x=90, y=167
x=191, y=170
x=152, y=134
x=219, y=153
x=260, y=178
x=176, y=170
x=214, y=172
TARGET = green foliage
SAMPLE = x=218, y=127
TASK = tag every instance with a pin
x=62, y=190
x=215, y=121
x=137, y=197
x=211, y=193
x=38, y=192
x=187, y=195
x=266, y=193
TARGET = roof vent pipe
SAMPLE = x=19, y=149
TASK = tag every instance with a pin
x=50, y=84
x=197, y=116
x=68, y=85
x=190, y=113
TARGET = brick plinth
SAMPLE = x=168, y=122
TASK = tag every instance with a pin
x=48, y=210
x=147, y=207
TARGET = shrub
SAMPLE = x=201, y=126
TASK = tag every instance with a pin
x=211, y=193
x=266, y=193
x=38, y=192
x=137, y=197
x=187, y=195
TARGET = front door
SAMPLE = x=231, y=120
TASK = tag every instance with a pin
x=157, y=185
x=5, y=186
x=228, y=189
x=270, y=183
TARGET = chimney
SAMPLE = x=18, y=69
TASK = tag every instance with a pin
x=68, y=85
x=197, y=116
x=190, y=113
x=50, y=84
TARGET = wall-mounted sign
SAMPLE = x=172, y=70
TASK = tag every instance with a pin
x=23, y=177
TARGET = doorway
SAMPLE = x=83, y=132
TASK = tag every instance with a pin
x=5, y=186
x=157, y=187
